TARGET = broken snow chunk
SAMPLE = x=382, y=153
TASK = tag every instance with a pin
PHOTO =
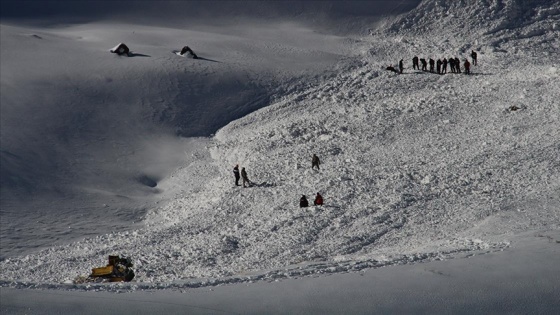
x=427, y=179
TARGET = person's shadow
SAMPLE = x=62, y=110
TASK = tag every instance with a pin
x=263, y=184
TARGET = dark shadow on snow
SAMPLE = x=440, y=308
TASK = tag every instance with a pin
x=132, y=54
x=263, y=184
x=202, y=58
x=448, y=73
x=146, y=180
x=176, y=52
x=423, y=72
x=480, y=73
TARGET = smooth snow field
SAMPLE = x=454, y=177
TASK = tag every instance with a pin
x=443, y=191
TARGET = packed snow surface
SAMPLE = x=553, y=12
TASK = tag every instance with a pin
x=414, y=167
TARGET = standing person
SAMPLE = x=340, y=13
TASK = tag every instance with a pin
x=245, y=178
x=444, y=69
x=415, y=63
x=438, y=66
x=432, y=62
x=318, y=200
x=452, y=64
x=473, y=55
x=236, y=174
x=424, y=64
x=315, y=162
x=401, y=66
x=457, y=65
x=467, y=65
x=303, y=202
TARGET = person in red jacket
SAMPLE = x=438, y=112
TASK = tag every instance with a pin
x=318, y=200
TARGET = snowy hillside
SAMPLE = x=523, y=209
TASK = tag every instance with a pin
x=100, y=129
x=415, y=167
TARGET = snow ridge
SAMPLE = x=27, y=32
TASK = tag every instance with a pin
x=454, y=27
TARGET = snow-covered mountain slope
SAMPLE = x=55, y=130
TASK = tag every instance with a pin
x=88, y=133
x=508, y=30
x=415, y=167
x=471, y=20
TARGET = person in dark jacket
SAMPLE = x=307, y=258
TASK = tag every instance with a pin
x=457, y=65
x=401, y=66
x=303, y=202
x=236, y=174
x=432, y=62
x=415, y=65
x=315, y=162
x=318, y=200
x=438, y=66
x=474, y=56
x=424, y=64
x=245, y=178
x=444, y=66
x=452, y=64
x=467, y=65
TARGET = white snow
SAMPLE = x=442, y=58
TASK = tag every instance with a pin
x=105, y=154
x=501, y=283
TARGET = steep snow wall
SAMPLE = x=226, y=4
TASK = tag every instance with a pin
x=476, y=16
x=491, y=21
x=505, y=30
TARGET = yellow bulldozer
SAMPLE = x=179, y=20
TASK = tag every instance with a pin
x=117, y=270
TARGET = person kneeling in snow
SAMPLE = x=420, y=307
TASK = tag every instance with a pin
x=391, y=68
x=303, y=203
x=318, y=200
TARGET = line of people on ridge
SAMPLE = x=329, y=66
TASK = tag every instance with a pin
x=439, y=66
x=315, y=162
